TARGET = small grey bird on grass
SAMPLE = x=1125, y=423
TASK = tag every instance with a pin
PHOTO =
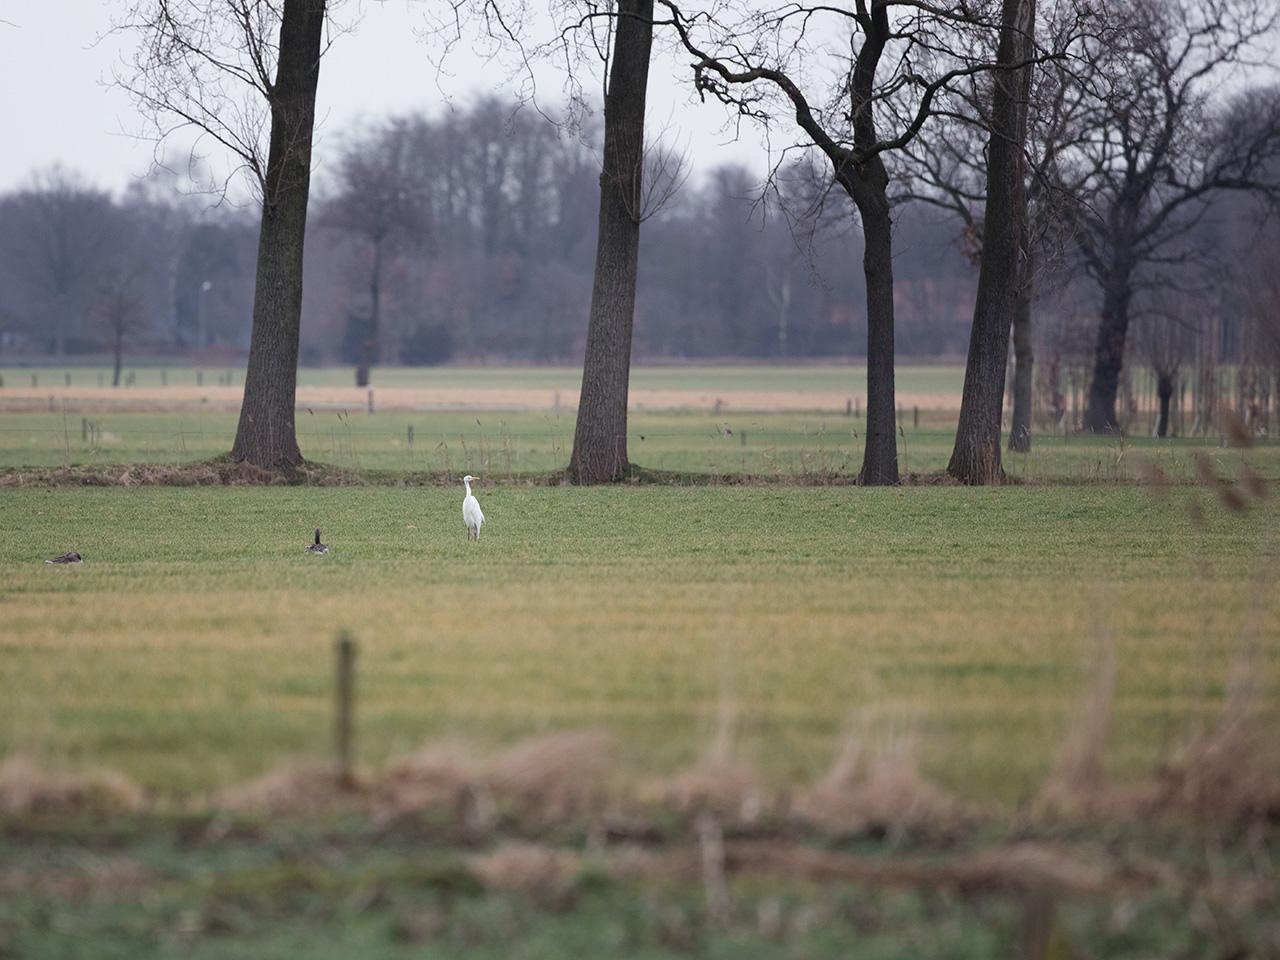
x=72, y=557
x=318, y=547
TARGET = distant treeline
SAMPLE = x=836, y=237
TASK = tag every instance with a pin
x=478, y=230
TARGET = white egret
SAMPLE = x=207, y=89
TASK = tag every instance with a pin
x=471, y=514
x=318, y=547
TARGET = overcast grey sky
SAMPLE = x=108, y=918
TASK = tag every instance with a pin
x=57, y=106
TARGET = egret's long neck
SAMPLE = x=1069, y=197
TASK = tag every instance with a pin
x=467, y=484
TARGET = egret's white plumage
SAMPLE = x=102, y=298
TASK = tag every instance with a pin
x=471, y=514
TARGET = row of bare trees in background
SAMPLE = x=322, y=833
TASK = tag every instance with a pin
x=418, y=255
x=1108, y=163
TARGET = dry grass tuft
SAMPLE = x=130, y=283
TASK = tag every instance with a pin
x=555, y=775
x=528, y=868
x=1230, y=772
x=438, y=775
x=727, y=789
x=25, y=788
x=297, y=789
x=877, y=787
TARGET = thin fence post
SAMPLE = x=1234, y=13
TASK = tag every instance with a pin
x=411, y=436
x=848, y=406
x=371, y=400
x=345, y=651
x=915, y=418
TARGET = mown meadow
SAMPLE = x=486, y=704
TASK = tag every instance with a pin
x=739, y=707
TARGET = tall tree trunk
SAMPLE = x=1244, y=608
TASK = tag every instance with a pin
x=1164, y=390
x=1100, y=408
x=266, y=435
x=976, y=457
x=866, y=181
x=880, y=456
x=1023, y=360
x=600, y=434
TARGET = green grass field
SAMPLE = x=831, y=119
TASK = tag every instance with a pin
x=191, y=650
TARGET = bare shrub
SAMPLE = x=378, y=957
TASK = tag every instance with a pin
x=553, y=775
x=1232, y=770
x=296, y=789
x=26, y=788
x=877, y=786
x=727, y=789
x=438, y=775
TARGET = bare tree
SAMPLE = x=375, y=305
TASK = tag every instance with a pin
x=130, y=294
x=903, y=63
x=55, y=248
x=1161, y=147
x=235, y=70
x=377, y=201
x=948, y=170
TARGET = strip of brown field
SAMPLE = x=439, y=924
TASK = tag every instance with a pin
x=84, y=399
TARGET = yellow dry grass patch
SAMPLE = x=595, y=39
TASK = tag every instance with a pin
x=175, y=398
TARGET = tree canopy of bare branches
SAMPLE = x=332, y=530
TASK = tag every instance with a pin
x=1159, y=145
x=244, y=73
x=859, y=83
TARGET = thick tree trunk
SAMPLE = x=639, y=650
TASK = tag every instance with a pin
x=976, y=457
x=865, y=179
x=266, y=435
x=600, y=434
x=880, y=457
x=1164, y=390
x=1023, y=362
x=1100, y=408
